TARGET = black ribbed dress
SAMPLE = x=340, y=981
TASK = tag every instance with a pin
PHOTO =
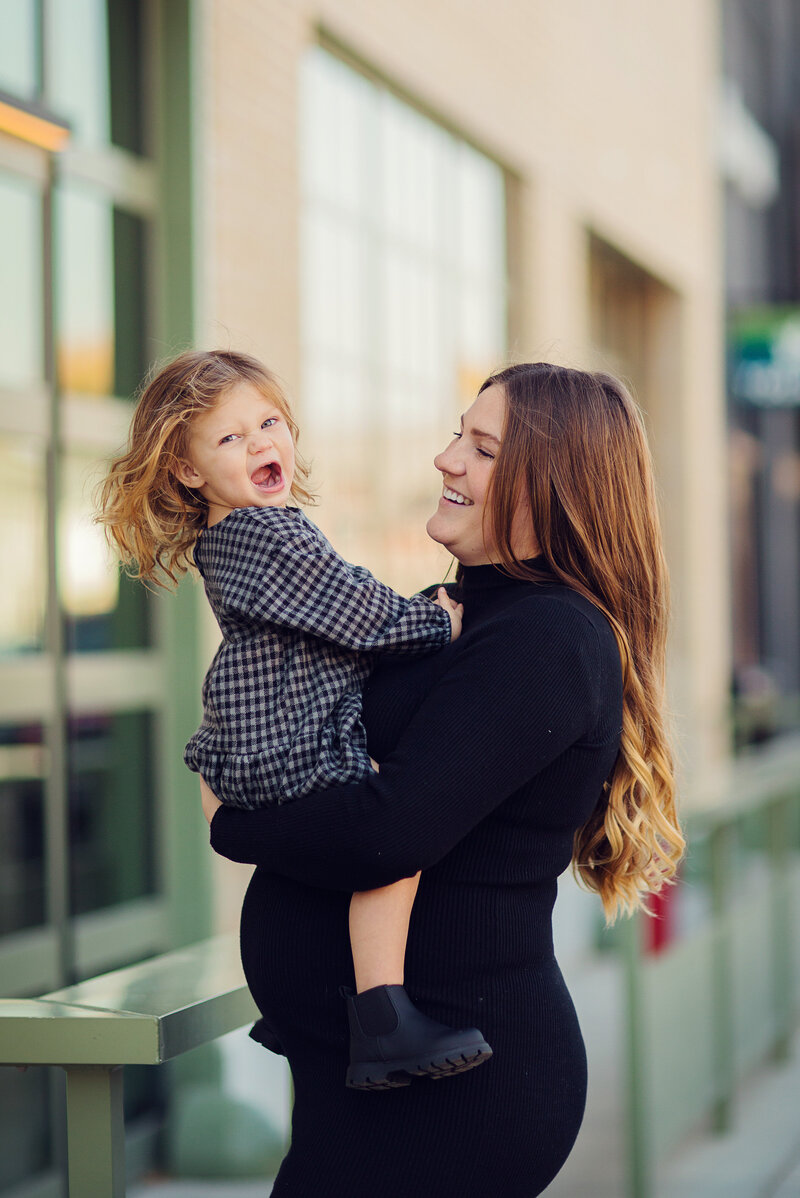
x=493, y=751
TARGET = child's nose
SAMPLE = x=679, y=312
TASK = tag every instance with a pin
x=259, y=439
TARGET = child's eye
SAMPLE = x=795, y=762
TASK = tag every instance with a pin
x=270, y=420
x=230, y=437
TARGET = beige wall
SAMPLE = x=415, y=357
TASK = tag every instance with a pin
x=603, y=114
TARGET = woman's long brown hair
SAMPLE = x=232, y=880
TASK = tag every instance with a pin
x=574, y=450
x=152, y=518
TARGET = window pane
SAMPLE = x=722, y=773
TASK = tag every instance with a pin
x=111, y=809
x=103, y=609
x=23, y=533
x=79, y=52
x=102, y=255
x=96, y=70
x=85, y=292
x=125, y=38
x=404, y=306
x=22, y=769
x=18, y=47
x=481, y=214
x=21, y=290
x=336, y=116
x=130, y=270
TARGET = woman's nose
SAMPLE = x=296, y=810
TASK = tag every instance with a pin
x=448, y=461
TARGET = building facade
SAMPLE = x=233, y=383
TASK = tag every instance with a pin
x=760, y=44
x=602, y=217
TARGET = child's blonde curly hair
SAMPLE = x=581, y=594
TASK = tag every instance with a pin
x=151, y=517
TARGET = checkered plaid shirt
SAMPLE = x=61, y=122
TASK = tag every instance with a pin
x=300, y=629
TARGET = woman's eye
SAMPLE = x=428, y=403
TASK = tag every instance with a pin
x=485, y=454
x=457, y=436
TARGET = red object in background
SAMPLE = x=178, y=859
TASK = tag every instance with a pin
x=659, y=927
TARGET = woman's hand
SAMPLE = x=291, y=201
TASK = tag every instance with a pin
x=211, y=803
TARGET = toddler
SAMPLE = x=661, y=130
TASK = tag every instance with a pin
x=210, y=480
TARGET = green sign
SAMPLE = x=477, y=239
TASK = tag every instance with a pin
x=764, y=357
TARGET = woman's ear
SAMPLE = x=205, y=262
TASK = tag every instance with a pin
x=186, y=473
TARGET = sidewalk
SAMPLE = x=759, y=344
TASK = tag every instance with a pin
x=759, y=1158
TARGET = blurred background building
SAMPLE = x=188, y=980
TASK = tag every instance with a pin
x=760, y=147
x=384, y=202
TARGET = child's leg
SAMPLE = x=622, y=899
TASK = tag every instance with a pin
x=378, y=933
x=391, y=1041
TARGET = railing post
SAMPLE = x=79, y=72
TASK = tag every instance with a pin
x=721, y=842
x=95, y=1132
x=640, y=1164
x=779, y=829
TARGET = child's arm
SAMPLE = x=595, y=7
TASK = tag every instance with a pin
x=304, y=584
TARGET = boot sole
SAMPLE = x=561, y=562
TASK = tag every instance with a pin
x=390, y=1075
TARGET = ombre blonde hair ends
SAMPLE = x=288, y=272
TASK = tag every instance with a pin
x=574, y=450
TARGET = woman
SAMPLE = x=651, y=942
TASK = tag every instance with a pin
x=533, y=740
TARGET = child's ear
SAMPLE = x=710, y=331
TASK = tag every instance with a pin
x=186, y=473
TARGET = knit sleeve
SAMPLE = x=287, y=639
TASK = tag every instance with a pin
x=518, y=692
x=303, y=584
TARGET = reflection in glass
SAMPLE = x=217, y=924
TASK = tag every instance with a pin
x=335, y=270
x=96, y=52
x=18, y=48
x=481, y=210
x=22, y=882
x=130, y=266
x=79, y=53
x=403, y=307
x=103, y=609
x=23, y=535
x=21, y=288
x=336, y=117
x=112, y=854
x=85, y=291
x=102, y=257
x=416, y=165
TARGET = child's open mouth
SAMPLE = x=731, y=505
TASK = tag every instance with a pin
x=268, y=478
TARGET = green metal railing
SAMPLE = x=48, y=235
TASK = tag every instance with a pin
x=143, y=1015
x=719, y=999
x=724, y=995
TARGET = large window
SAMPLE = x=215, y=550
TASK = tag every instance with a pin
x=404, y=306
x=86, y=721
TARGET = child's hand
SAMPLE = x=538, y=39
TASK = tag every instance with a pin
x=454, y=610
x=211, y=804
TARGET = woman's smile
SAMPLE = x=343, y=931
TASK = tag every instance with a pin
x=451, y=496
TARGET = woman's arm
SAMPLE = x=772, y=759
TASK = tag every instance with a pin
x=468, y=747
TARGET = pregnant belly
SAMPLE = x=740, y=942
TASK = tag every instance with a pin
x=296, y=949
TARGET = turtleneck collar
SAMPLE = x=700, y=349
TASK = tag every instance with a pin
x=491, y=577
